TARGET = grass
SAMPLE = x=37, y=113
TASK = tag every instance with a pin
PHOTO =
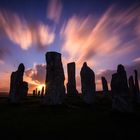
x=74, y=119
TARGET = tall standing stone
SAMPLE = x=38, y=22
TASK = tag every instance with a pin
x=18, y=88
x=104, y=85
x=55, y=89
x=137, y=86
x=87, y=83
x=121, y=98
x=71, y=85
x=24, y=89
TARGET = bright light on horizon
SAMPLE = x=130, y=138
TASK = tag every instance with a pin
x=39, y=87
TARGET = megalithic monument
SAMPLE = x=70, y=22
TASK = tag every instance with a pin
x=71, y=85
x=104, y=85
x=55, y=89
x=88, y=86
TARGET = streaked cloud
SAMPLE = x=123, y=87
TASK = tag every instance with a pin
x=89, y=38
x=54, y=10
x=23, y=33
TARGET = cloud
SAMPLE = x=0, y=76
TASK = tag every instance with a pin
x=23, y=33
x=54, y=10
x=37, y=73
x=89, y=38
x=129, y=69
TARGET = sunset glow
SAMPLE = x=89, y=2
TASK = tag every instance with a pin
x=40, y=87
x=103, y=37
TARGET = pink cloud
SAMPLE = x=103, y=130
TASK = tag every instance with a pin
x=54, y=10
x=24, y=34
x=88, y=39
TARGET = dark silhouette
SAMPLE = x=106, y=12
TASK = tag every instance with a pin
x=137, y=86
x=38, y=93
x=121, y=99
x=87, y=83
x=55, y=92
x=18, y=88
x=104, y=85
x=132, y=90
x=71, y=85
x=34, y=93
x=42, y=91
x=24, y=89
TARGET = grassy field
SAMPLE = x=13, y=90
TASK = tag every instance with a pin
x=74, y=119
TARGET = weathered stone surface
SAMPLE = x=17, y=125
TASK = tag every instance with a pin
x=121, y=98
x=55, y=89
x=87, y=83
x=18, y=88
x=71, y=85
x=104, y=85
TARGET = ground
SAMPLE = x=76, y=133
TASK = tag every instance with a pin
x=74, y=119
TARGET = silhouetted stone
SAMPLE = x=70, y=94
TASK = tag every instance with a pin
x=121, y=99
x=104, y=85
x=42, y=92
x=87, y=83
x=55, y=89
x=38, y=94
x=34, y=93
x=137, y=86
x=18, y=88
x=132, y=89
x=71, y=85
x=24, y=89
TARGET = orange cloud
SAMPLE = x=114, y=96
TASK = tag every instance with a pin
x=54, y=10
x=20, y=32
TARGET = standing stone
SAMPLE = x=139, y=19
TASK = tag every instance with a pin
x=121, y=98
x=137, y=86
x=71, y=85
x=87, y=83
x=17, y=86
x=104, y=85
x=24, y=89
x=34, y=93
x=132, y=90
x=42, y=92
x=55, y=89
x=38, y=94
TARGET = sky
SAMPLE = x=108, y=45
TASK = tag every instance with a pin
x=104, y=33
